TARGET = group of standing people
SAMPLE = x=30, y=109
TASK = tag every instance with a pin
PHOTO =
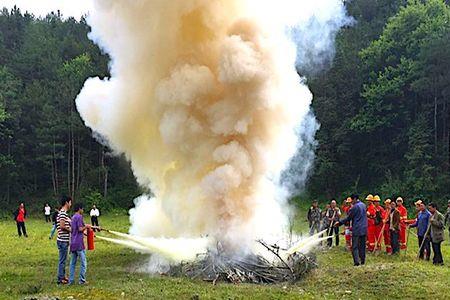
x=324, y=219
x=430, y=224
x=70, y=235
x=366, y=227
x=386, y=223
x=20, y=215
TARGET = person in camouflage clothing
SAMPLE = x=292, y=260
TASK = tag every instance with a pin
x=314, y=218
x=332, y=216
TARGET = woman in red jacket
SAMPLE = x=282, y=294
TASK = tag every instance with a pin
x=19, y=217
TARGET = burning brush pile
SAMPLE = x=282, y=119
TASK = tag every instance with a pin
x=253, y=268
x=265, y=264
x=205, y=101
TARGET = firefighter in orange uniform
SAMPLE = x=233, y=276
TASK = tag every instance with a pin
x=371, y=214
x=403, y=222
x=348, y=230
x=386, y=232
x=379, y=212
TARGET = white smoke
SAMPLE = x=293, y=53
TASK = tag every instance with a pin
x=205, y=101
x=293, y=179
x=315, y=35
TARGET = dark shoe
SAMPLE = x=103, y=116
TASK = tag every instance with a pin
x=83, y=283
x=63, y=281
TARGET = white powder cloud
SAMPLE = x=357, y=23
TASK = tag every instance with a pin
x=206, y=103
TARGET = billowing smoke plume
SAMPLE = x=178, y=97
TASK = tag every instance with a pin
x=205, y=102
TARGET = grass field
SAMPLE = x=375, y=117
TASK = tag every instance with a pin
x=28, y=270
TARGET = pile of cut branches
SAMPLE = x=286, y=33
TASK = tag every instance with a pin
x=219, y=266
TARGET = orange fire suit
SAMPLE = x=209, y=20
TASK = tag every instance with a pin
x=379, y=227
x=371, y=214
x=347, y=228
x=403, y=222
x=386, y=231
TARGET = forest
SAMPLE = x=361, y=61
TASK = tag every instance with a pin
x=382, y=104
x=45, y=149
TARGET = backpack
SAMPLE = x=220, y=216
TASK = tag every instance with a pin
x=378, y=218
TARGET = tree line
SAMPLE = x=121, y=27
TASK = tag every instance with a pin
x=45, y=149
x=383, y=106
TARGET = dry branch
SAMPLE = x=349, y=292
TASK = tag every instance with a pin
x=218, y=266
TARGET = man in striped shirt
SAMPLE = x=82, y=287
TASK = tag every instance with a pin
x=62, y=241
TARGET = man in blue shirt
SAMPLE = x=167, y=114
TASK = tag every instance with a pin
x=422, y=226
x=358, y=217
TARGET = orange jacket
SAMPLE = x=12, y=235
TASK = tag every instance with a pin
x=386, y=216
x=403, y=214
x=380, y=209
x=346, y=208
x=371, y=214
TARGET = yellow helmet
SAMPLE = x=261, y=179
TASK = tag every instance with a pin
x=369, y=197
x=400, y=199
x=376, y=198
x=418, y=202
x=387, y=201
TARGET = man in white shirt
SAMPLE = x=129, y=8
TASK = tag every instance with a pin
x=95, y=213
x=47, y=212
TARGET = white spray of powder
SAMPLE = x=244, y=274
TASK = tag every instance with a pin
x=205, y=102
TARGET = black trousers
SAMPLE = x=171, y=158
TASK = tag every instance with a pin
x=437, y=254
x=330, y=234
x=94, y=221
x=21, y=228
x=394, y=241
x=359, y=249
x=47, y=218
x=424, y=252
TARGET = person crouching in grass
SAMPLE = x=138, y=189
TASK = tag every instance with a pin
x=77, y=249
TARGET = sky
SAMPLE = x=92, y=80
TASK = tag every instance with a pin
x=75, y=8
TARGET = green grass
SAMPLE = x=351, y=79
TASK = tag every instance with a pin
x=28, y=268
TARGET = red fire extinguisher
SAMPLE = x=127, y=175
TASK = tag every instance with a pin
x=90, y=239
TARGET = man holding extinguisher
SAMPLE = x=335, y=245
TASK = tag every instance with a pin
x=77, y=249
